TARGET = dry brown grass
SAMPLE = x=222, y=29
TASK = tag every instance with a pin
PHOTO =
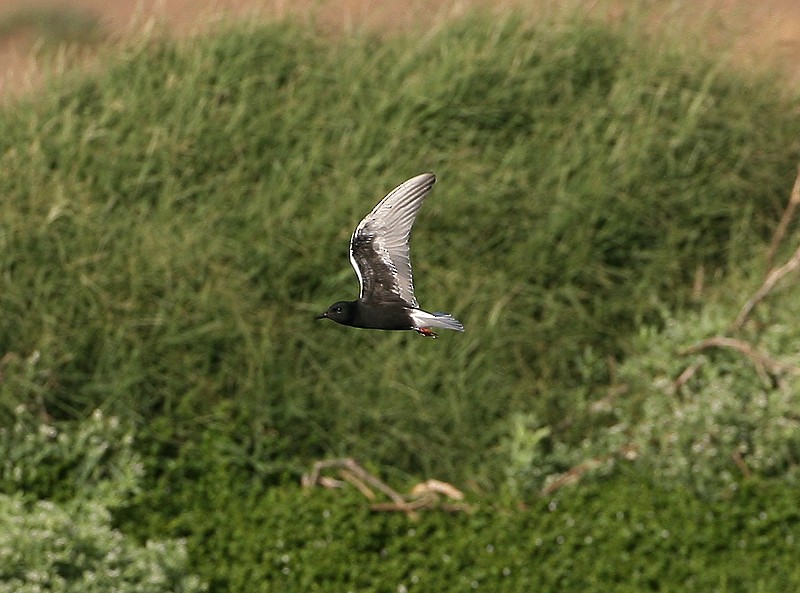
x=753, y=32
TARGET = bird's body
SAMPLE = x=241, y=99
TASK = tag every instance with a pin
x=379, y=253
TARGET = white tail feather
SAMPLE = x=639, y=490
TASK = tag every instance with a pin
x=438, y=320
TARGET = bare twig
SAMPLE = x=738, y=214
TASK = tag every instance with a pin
x=421, y=505
x=788, y=214
x=409, y=507
x=571, y=476
x=738, y=459
x=360, y=486
x=626, y=451
x=356, y=470
x=423, y=496
x=687, y=374
x=330, y=483
x=775, y=275
x=437, y=487
x=773, y=278
x=766, y=366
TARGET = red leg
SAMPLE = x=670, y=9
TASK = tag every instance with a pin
x=426, y=331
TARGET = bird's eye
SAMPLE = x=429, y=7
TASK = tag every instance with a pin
x=337, y=310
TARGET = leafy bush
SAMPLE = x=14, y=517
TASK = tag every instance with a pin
x=93, y=459
x=631, y=532
x=61, y=481
x=728, y=421
x=46, y=547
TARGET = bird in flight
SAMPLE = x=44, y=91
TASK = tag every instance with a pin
x=379, y=254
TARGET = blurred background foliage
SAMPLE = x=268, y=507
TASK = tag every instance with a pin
x=172, y=223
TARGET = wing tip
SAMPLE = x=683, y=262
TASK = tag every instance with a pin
x=418, y=185
x=428, y=176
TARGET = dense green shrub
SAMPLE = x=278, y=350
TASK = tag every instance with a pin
x=731, y=419
x=93, y=459
x=56, y=533
x=631, y=533
x=46, y=547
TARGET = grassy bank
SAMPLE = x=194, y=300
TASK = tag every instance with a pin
x=171, y=225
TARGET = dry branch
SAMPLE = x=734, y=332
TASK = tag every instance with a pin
x=420, y=505
x=773, y=278
x=424, y=495
x=738, y=459
x=788, y=214
x=572, y=476
x=687, y=374
x=360, y=486
x=353, y=469
x=777, y=274
x=627, y=452
x=767, y=367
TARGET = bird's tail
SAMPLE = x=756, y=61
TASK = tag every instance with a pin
x=438, y=320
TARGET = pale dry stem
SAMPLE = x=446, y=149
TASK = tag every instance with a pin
x=423, y=496
x=775, y=275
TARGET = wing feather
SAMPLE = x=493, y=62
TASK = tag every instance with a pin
x=379, y=250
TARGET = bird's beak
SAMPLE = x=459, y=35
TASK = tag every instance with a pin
x=322, y=315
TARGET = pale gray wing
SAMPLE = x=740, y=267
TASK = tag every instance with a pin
x=379, y=248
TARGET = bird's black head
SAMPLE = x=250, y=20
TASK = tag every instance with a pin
x=342, y=312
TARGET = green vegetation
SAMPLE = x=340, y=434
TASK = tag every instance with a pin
x=171, y=225
x=57, y=532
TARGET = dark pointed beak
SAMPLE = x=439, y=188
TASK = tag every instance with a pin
x=322, y=315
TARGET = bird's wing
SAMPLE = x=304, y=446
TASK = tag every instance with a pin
x=379, y=246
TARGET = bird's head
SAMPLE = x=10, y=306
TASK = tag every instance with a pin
x=340, y=312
